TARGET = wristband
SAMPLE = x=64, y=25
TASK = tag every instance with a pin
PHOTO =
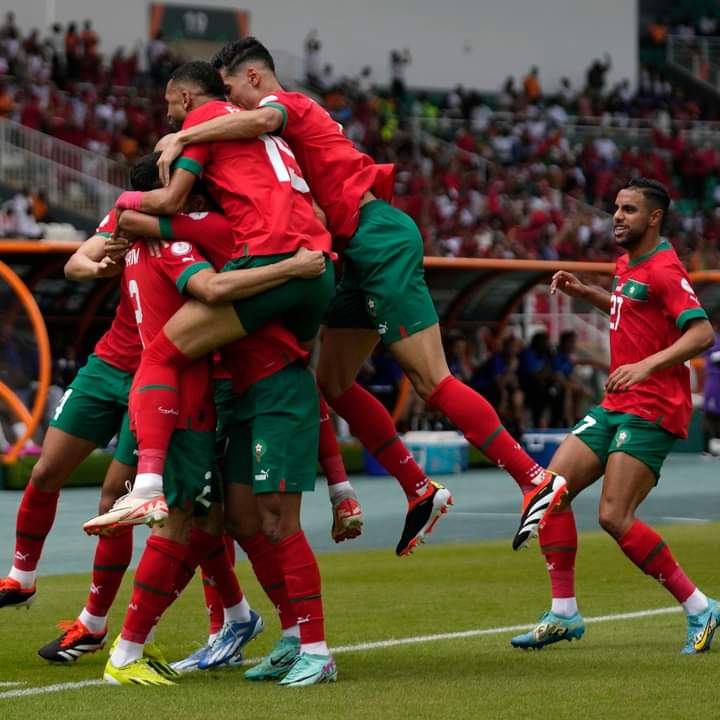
x=130, y=200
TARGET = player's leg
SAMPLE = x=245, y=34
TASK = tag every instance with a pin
x=632, y=471
x=87, y=416
x=240, y=623
x=113, y=553
x=194, y=330
x=347, y=513
x=580, y=462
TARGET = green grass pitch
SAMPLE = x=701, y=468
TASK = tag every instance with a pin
x=622, y=668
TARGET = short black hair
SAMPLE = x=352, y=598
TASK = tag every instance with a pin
x=203, y=75
x=236, y=53
x=655, y=192
x=144, y=174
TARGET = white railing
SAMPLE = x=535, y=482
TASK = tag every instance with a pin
x=72, y=177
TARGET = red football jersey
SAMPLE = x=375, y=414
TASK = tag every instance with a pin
x=265, y=351
x=120, y=345
x=156, y=286
x=260, y=188
x=651, y=301
x=338, y=173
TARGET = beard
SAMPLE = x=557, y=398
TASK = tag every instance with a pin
x=633, y=237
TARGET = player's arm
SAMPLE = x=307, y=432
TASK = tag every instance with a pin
x=139, y=224
x=211, y=287
x=697, y=337
x=567, y=283
x=89, y=261
x=233, y=126
x=163, y=201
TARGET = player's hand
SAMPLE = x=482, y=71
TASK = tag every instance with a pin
x=566, y=282
x=155, y=246
x=170, y=148
x=308, y=263
x=116, y=246
x=624, y=377
x=107, y=267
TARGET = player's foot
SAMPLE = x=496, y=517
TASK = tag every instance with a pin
x=701, y=628
x=537, y=506
x=422, y=516
x=75, y=642
x=139, y=672
x=347, y=517
x=129, y=510
x=278, y=662
x=156, y=659
x=12, y=594
x=231, y=640
x=310, y=670
x=552, y=628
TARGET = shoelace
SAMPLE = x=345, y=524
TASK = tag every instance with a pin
x=7, y=583
x=73, y=630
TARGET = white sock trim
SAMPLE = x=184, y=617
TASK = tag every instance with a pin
x=292, y=631
x=94, y=623
x=316, y=648
x=339, y=489
x=126, y=652
x=696, y=603
x=239, y=612
x=147, y=484
x=26, y=578
x=565, y=607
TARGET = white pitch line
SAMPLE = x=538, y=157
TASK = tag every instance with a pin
x=11, y=684
x=375, y=646
x=50, y=688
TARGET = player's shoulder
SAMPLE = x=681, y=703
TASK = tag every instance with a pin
x=182, y=250
x=208, y=111
x=665, y=258
x=621, y=264
x=294, y=101
x=107, y=224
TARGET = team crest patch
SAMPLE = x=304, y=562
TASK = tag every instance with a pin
x=260, y=449
x=180, y=248
x=622, y=438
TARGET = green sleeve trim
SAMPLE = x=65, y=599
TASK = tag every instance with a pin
x=282, y=109
x=187, y=163
x=166, y=232
x=188, y=272
x=692, y=314
x=104, y=234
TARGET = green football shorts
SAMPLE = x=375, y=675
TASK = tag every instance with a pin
x=605, y=432
x=299, y=303
x=383, y=282
x=94, y=403
x=274, y=434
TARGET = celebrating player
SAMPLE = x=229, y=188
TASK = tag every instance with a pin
x=656, y=324
x=382, y=294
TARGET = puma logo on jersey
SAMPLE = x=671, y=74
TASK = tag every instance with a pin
x=262, y=475
x=382, y=328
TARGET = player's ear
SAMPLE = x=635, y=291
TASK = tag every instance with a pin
x=186, y=99
x=656, y=217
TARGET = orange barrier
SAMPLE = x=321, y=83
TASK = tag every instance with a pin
x=15, y=404
x=40, y=332
x=548, y=266
x=40, y=247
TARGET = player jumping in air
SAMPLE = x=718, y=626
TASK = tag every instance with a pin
x=656, y=324
x=382, y=294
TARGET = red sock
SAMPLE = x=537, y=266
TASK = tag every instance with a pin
x=371, y=423
x=558, y=543
x=112, y=557
x=35, y=518
x=650, y=553
x=216, y=567
x=329, y=453
x=265, y=564
x=213, y=599
x=156, y=580
x=476, y=418
x=302, y=577
x=154, y=401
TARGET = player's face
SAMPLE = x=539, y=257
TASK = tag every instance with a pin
x=631, y=219
x=176, y=105
x=239, y=88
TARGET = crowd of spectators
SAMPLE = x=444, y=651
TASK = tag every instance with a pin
x=530, y=385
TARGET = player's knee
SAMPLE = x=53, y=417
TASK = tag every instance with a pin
x=240, y=529
x=332, y=385
x=423, y=383
x=612, y=520
x=45, y=476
